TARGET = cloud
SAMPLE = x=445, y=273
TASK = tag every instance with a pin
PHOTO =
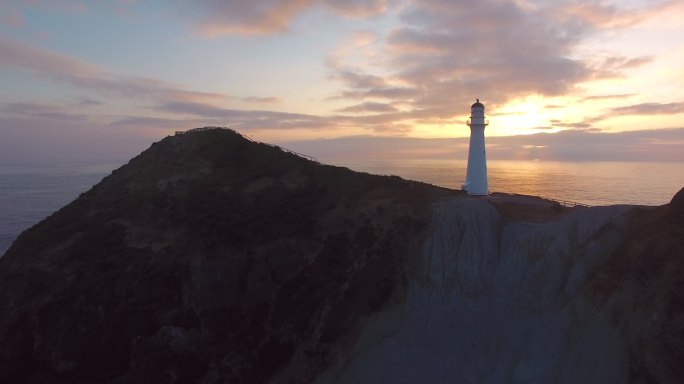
x=602, y=15
x=575, y=125
x=607, y=97
x=571, y=145
x=246, y=119
x=512, y=113
x=615, y=66
x=262, y=100
x=44, y=139
x=159, y=124
x=650, y=109
x=359, y=80
x=41, y=111
x=88, y=102
x=68, y=70
x=586, y=124
x=389, y=93
x=442, y=54
x=580, y=145
x=448, y=52
x=357, y=8
x=171, y=99
x=263, y=17
x=18, y=56
x=12, y=12
x=369, y=107
x=378, y=147
x=363, y=38
x=274, y=120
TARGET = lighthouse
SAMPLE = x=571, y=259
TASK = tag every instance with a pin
x=476, y=176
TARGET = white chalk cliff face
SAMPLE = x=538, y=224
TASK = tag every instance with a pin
x=497, y=302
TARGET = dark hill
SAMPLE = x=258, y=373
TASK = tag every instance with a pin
x=210, y=258
x=207, y=252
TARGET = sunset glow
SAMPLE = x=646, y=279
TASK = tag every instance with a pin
x=117, y=75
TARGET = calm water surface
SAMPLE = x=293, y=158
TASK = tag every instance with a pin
x=28, y=194
x=593, y=183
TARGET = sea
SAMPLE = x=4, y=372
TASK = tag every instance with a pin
x=30, y=193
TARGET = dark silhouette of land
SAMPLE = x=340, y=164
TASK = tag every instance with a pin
x=211, y=258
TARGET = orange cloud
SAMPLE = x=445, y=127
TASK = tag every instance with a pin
x=650, y=109
x=608, y=16
x=446, y=53
x=263, y=17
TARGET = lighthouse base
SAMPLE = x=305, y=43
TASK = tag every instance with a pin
x=464, y=187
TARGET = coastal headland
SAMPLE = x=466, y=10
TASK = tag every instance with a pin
x=210, y=258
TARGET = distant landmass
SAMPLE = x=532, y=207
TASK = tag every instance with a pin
x=210, y=258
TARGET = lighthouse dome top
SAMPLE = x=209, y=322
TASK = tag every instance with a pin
x=477, y=104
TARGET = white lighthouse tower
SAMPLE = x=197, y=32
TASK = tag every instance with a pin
x=476, y=176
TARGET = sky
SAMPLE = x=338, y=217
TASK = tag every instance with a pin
x=561, y=80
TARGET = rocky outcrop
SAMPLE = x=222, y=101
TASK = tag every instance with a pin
x=212, y=259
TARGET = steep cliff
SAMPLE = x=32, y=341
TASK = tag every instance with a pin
x=211, y=259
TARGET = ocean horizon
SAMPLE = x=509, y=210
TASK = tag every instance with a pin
x=29, y=193
x=584, y=182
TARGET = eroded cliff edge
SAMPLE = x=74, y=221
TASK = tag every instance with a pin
x=210, y=258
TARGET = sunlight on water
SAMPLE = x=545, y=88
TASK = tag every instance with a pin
x=593, y=183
